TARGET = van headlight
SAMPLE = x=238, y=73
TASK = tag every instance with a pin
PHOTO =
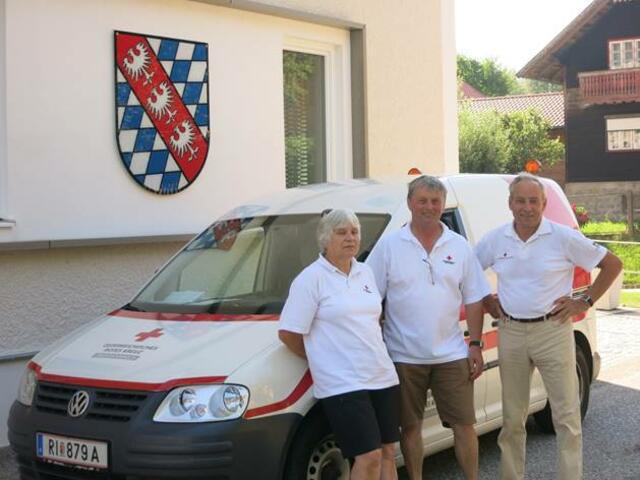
x=27, y=387
x=203, y=403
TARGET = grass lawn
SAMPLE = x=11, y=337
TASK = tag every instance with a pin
x=604, y=228
x=628, y=253
x=630, y=299
x=630, y=256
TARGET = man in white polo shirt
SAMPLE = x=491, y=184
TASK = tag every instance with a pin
x=534, y=260
x=426, y=272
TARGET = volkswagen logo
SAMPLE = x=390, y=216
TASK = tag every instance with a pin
x=78, y=404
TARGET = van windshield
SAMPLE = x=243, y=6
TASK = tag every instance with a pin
x=243, y=265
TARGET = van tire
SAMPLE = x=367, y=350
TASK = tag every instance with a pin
x=544, y=418
x=314, y=453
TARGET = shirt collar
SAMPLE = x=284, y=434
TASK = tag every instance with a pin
x=407, y=234
x=543, y=229
x=327, y=265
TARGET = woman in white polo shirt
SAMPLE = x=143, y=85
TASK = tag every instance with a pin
x=331, y=318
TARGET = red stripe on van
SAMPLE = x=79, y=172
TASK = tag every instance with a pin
x=580, y=316
x=301, y=388
x=581, y=278
x=122, y=385
x=193, y=317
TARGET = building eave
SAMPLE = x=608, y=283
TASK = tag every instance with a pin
x=545, y=65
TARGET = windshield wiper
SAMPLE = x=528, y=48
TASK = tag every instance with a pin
x=130, y=307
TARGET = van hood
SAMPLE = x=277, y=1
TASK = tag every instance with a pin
x=133, y=350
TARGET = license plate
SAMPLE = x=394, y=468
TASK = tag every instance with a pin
x=73, y=451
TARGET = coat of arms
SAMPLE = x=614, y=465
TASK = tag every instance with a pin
x=162, y=109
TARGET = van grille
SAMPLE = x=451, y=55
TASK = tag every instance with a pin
x=105, y=404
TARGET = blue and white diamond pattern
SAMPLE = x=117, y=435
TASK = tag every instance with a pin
x=143, y=150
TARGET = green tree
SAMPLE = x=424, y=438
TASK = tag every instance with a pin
x=527, y=135
x=482, y=142
x=491, y=142
x=494, y=80
x=488, y=76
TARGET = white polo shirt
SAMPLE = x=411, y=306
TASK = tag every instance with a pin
x=338, y=316
x=424, y=293
x=533, y=274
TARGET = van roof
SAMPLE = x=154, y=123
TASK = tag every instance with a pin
x=386, y=195
x=360, y=195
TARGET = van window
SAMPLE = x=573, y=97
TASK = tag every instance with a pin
x=451, y=218
x=243, y=266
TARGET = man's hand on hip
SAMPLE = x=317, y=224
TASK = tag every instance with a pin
x=566, y=307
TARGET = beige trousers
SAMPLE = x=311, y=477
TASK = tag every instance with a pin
x=549, y=346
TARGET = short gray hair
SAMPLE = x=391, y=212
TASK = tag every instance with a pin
x=428, y=182
x=526, y=177
x=332, y=220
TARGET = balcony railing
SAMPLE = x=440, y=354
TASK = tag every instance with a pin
x=610, y=86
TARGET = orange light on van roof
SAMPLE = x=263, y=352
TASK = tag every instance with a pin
x=414, y=171
x=532, y=166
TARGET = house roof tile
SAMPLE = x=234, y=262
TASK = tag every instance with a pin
x=470, y=92
x=550, y=105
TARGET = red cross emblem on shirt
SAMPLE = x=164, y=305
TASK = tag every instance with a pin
x=155, y=333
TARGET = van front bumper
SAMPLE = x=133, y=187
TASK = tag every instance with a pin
x=142, y=449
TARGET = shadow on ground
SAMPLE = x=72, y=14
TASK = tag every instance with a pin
x=611, y=443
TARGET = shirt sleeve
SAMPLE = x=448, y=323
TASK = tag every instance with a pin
x=377, y=261
x=582, y=251
x=301, y=306
x=484, y=252
x=474, y=284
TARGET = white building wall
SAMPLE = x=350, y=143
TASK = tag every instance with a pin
x=63, y=183
x=46, y=293
x=410, y=79
x=66, y=177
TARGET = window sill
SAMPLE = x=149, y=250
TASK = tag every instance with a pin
x=93, y=242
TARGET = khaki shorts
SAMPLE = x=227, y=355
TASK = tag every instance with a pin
x=451, y=388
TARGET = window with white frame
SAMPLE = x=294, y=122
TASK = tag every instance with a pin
x=623, y=133
x=317, y=110
x=624, y=53
x=304, y=118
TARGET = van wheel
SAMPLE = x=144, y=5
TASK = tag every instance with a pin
x=315, y=455
x=544, y=419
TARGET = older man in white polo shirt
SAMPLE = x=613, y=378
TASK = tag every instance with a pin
x=426, y=272
x=534, y=260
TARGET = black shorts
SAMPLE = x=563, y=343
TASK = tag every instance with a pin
x=364, y=420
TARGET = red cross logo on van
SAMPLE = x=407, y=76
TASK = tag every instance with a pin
x=155, y=333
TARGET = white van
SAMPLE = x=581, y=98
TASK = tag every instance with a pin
x=189, y=379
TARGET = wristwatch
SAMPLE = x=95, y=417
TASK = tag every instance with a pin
x=476, y=343
x=586, y=298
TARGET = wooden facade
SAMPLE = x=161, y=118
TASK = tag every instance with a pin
x=594, y=93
